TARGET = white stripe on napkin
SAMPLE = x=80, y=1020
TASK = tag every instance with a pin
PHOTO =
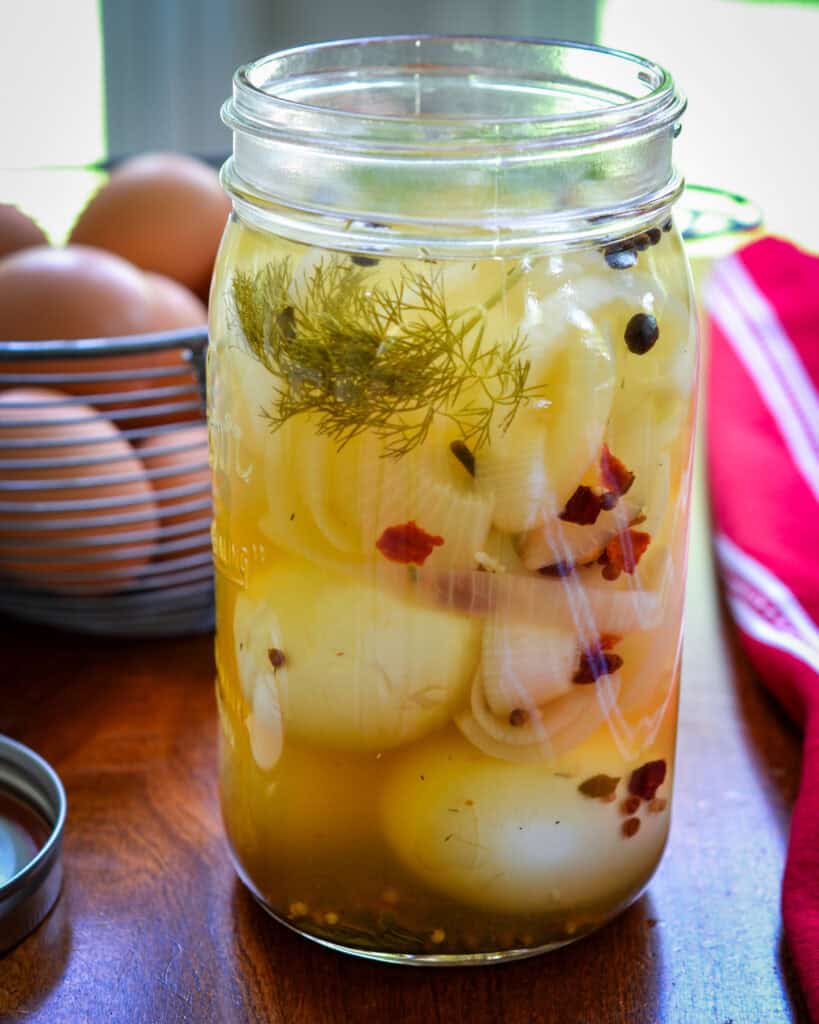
x=764, y=606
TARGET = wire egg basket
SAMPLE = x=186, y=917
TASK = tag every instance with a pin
x=105, y=500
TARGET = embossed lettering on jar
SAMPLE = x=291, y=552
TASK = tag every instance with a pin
x=451, y=386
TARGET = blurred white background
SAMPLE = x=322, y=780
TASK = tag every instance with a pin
x=82, y=80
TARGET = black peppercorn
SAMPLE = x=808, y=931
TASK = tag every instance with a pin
x=641, y=242
x=667, y=225
x=642, y=333
x=654, y=235
x=364, y=261
x=464, y=456
x=620, y=259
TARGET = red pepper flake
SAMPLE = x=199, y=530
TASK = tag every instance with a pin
x=646, y=780
x=277, y=657
x=630, y=805
x=623, y=552
x=615, y=476
x=599, y=787
x=582, y=508
x=657, y=805
x=594, y=664
x=408, y=543
x=597, y=661
x=630, y=827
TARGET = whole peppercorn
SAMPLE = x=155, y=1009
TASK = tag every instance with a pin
x=642, y=333
x=277, y=657
x=463, y=454
x=518, y=717
x=619, y=258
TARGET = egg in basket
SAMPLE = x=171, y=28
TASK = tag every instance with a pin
x=105, y=504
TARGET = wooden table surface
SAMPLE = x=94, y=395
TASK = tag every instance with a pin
x=153, y=927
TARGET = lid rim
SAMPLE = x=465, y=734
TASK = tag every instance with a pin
x=23, y=759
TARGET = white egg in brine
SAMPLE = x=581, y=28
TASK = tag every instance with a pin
x=513, y=837
x=356, y=668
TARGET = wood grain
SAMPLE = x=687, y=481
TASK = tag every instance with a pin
x=153, y=928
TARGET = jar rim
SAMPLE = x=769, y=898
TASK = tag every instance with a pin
x=266, y=98
x=498, y=138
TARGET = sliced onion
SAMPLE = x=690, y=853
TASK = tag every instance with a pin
x=264, y=726
x=551, y=729
x=492, y=747
x=289, y=521
x=314, y=460
x=511, y=471
x=255, y=631
x=523, y=666
x=606, y=607
x=554, y=541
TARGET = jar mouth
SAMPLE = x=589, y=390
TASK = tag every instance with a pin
x=490, y=93
x=458, y=141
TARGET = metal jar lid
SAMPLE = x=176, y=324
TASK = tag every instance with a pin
x=32, y=815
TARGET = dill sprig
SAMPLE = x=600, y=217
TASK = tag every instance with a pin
x=363, y=357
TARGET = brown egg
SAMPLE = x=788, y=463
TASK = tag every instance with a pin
x=178, y=460
x=173, y=306
x=17, y=231
x=137, y=399
x=82, y=292
x=71, y=292
x=50, y=539
x=163, y=211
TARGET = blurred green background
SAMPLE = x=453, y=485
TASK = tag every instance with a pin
x=82, y=80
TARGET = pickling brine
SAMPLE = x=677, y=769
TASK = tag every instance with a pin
x=451, y=503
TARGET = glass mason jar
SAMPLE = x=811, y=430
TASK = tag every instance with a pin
x=451, y=385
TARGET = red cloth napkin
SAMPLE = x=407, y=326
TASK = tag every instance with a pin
x=763, y=462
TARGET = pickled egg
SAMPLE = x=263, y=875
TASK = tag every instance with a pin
x=164, y=212
x=514, y=837
x=17, y=231
x=359, y=669
x=82, y=515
